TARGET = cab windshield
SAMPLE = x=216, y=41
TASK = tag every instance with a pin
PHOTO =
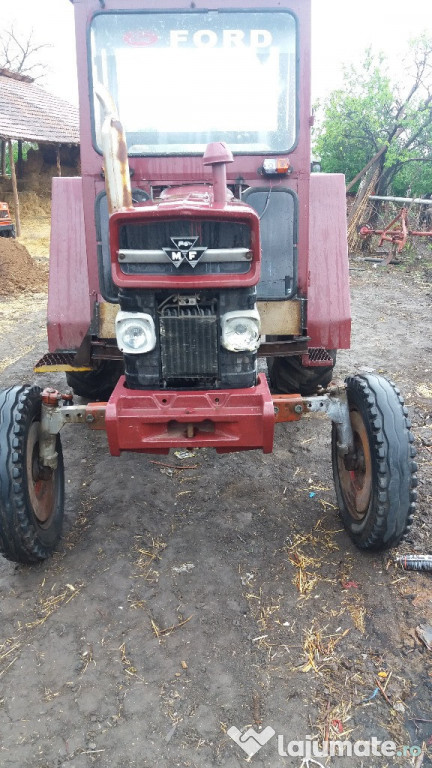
x=181, y=80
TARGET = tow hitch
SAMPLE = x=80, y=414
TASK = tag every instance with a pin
x=57, y=410
x=331, y=401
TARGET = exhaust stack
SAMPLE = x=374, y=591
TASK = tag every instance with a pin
x=217, y=155
x=117, y=178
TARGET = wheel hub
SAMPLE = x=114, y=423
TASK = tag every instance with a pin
x=356, y=471
x=40, y=480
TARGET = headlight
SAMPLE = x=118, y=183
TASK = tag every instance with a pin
x=135, y=332
x=241, y=331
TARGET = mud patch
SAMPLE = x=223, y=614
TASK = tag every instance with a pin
x=18, y=271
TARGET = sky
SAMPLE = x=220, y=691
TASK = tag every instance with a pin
x=341, y=31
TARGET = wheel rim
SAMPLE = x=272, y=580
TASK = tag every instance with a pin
x=356, y=482
x=40, y=480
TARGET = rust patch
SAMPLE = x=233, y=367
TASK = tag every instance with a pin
x=289, y=407
x=122, y=157
x=122, y=150
x=95, y=415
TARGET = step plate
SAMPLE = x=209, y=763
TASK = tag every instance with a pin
x=317, y=356
x=59, y=361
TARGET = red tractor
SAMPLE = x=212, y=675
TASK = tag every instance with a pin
x=196, y=242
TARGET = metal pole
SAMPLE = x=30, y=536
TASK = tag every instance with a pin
x=115, y=153
x=14, y=190
x=413, y=200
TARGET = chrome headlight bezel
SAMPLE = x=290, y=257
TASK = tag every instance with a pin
x=127, y=320
x=232, y=340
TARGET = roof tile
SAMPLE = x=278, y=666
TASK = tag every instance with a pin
x=30, y=113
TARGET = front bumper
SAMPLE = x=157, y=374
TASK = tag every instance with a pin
x=155, y=421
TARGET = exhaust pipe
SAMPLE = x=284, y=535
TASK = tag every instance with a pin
x=114, y=147
x=217, y=155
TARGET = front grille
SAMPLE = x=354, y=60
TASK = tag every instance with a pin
x=4, y=215
x=154, y=236
x=189, y=343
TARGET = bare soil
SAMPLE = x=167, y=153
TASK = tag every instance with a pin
x=191, y=595
x=18, y=271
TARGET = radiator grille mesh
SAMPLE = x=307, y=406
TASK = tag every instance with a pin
x=189, y=344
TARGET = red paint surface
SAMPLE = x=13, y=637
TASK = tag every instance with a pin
x=328, y=308
x=155, y=421
x=69, y=304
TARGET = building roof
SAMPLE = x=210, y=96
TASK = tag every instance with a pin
x=29, y=113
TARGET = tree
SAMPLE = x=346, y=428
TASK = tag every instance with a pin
x=21, y=54
x=371, y=112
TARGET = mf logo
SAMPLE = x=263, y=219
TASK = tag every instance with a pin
x=184, y=250
x=251, y=741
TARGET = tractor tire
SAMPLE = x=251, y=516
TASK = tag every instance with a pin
x=31, y=496
x=289, y=377
x=375, y=493
x=97, y=384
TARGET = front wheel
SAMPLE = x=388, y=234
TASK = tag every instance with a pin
x=375, y=487
x=31, y=496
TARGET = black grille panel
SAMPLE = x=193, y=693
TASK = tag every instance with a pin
x=154, y=235
x=189, y=345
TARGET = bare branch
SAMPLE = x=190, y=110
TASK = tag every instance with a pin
x=21, y=54
x=426, y=159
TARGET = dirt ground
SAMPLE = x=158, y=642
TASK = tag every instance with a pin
x=19, y=272
x=221, y=591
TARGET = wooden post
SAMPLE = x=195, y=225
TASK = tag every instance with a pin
x=14, y=190
x=59, y=172
x=3, y=158
x=20, y=160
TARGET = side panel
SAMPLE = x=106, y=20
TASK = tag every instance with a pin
x=69, y=303
x=328, y=307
